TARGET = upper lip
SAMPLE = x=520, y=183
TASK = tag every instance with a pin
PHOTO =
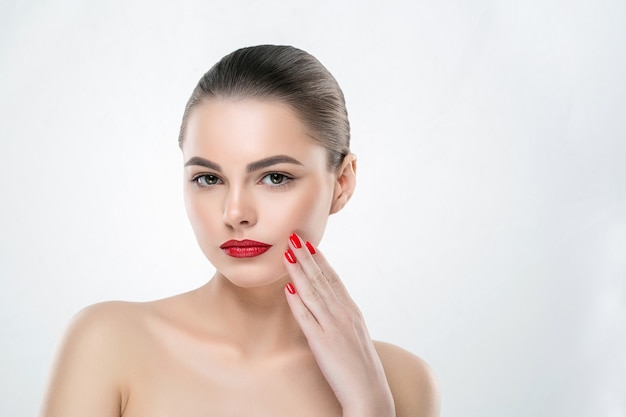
x=246, y=243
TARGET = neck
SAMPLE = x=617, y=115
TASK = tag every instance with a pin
x=256, y=320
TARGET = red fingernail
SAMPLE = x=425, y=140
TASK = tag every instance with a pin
x=290, y=257
x=290, y=288
x=295, y=241
x=310, y=248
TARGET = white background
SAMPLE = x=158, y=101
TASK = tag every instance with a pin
x=488, y=230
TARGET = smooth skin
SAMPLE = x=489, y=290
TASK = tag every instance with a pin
x=242, y=344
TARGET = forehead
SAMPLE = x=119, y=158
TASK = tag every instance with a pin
x=240, y=131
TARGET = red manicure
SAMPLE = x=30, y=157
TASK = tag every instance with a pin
x=295, y=241
x=310, y=248
x=290, y=288
x=290, y=256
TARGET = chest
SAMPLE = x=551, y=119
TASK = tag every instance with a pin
x=203, y=381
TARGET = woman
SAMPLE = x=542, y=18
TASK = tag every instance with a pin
x=265, y=144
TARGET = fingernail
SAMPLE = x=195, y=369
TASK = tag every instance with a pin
x=290, y=288
x=310, y=248
x=295, y=241
x=290, y=257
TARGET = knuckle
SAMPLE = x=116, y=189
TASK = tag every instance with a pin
x=318, y=277
x=357, y=312
x=348, y=316
x=311, y=295
x=305, y=315
x=332, y=277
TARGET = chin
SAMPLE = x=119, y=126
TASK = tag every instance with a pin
x=252, y=275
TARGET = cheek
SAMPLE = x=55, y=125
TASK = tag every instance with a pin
x=201, y=215
x=192, y=209
x=305, y=213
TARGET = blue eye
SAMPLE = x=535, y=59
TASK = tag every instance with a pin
x=275, y=178
x=206, y=180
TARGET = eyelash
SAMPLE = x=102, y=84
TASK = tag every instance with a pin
x=286, y=179
x=196, y=180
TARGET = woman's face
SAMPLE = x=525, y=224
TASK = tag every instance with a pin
x=253, y=173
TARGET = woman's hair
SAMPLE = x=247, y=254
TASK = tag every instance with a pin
x=286, y=74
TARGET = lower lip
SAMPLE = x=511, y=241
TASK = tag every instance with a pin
x=246, y=251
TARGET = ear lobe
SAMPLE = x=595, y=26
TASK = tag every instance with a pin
x=345, y=183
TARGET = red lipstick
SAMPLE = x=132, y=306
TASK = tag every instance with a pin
x=244, y=248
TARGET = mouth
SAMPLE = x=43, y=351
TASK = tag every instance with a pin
x=244, y=248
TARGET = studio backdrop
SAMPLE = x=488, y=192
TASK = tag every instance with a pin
x=487, y=233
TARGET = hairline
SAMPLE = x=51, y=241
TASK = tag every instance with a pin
x=259, y=97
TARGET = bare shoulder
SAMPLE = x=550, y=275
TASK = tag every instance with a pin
x=88, y=377
x=101, y=326
x=107, y=312
x=412, y=381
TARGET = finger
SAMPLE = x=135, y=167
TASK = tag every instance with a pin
x=334, y=282
x=310, y=267
x=303, y=316
x=311, y=297
x=322, y=291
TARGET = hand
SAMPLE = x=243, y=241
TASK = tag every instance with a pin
x=336, y=333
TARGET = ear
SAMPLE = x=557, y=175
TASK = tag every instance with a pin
x=345, y=183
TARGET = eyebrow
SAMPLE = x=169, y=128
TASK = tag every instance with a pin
x=251, y=167
x=272, y=160
x=196, y=160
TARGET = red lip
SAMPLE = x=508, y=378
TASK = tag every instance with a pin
x=244, y=248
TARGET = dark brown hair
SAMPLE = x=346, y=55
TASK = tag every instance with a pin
x=289, y=75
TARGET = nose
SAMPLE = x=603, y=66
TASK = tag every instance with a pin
x=239, y=208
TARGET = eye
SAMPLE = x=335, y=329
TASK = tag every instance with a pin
x=275, y=178
x=206, y=180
